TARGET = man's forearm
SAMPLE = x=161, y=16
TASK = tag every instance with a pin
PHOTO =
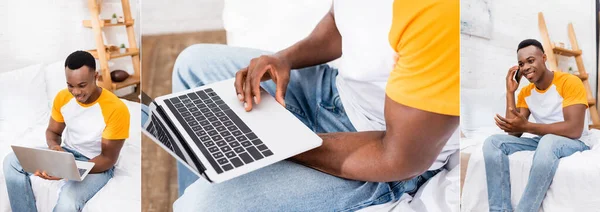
x=511, y=103
x=324, y=44
x=563, y=128
x=52, y=139
x=359, y=156
x=102, y=163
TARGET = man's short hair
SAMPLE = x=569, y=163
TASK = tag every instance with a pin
x=79, y=59
x=530, y=42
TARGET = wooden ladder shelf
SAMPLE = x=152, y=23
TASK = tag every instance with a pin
x=101, y=53
x=553, y=51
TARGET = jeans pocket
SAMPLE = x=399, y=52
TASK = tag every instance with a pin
x=335, y=106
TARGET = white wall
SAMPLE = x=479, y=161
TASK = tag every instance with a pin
x=177, y=16
x=47, y=31
x=484, y=63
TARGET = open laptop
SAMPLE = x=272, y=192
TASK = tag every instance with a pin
x=55, y=163
x=208, y=130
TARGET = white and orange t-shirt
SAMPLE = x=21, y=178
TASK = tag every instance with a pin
x=546, y=106
x=87, y=124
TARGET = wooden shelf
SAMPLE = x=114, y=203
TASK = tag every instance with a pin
x=116, y=85
x=106, y=23
x=566, y=52
x=591, y=102
x=113, y=55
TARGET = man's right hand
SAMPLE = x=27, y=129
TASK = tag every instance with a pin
x=511, y=84
x=265, y=67
x=45, y=175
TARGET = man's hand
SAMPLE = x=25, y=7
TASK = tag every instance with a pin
x=518, y=124
x=45, y=175
x=265, y=67
x=56, y=148
x=511, y=84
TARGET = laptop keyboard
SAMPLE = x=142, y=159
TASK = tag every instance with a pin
x=82, y=171
x=219, y=133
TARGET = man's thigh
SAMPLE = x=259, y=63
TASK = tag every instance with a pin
x=282, y=186
x=509, y=144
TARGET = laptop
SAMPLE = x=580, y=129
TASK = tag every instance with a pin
x=55, y=163
x=208, y=130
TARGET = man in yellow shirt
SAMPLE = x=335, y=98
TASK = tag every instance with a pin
x=385, y=123
x=92, y=122
x=557, y=102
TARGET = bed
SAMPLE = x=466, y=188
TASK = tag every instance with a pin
x=23, y=121
x=574, y=188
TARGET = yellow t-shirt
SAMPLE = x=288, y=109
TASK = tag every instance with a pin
x=546, y=105
x=425, y=35
x=86, y=124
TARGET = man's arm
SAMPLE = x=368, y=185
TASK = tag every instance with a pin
x=109, y=155
x=54, y=133
x=511, y=103
x=571, y=127
x=409, y=146
x=322, y=45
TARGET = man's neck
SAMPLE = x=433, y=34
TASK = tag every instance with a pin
x=94, y=95
x=545, y=81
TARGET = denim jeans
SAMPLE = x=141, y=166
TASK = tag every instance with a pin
x=548, y=150
x=313, y=98
x=72, y=197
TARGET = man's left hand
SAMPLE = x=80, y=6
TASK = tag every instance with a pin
x=518, y=124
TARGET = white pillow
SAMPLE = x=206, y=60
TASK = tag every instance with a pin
x=23, y=99
x=55, y=80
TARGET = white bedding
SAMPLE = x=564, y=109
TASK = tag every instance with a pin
x=574, y=188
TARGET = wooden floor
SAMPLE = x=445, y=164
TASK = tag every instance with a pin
x=159, y=170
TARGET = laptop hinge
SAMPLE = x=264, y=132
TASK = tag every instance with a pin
x=183, y=142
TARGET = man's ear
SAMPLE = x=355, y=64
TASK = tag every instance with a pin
x=95, y=77
x=544, y=57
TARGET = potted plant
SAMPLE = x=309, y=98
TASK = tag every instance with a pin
x=123, y=49
x=114, y=20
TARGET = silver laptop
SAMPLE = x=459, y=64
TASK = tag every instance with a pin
x=55, y=163
x=208, y=130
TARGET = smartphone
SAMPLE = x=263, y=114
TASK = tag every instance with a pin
x=517, y=75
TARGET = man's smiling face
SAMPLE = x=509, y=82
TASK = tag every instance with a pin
x=531, y=63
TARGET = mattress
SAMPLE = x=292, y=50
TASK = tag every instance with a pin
x=574, y=188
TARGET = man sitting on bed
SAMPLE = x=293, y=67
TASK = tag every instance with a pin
x=557, y=102
x=97, y=124
x=385, y=123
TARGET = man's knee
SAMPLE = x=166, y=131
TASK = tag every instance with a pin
x=556, y=145
x=493, y=143
x=194, y=64
x=69, y=201
x=10, y=163
x=196, y=54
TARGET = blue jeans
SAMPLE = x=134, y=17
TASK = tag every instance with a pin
x=73, y=196
x=313, y=98
x=548, y=150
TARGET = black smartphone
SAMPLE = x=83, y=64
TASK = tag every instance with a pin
x=517, y=75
